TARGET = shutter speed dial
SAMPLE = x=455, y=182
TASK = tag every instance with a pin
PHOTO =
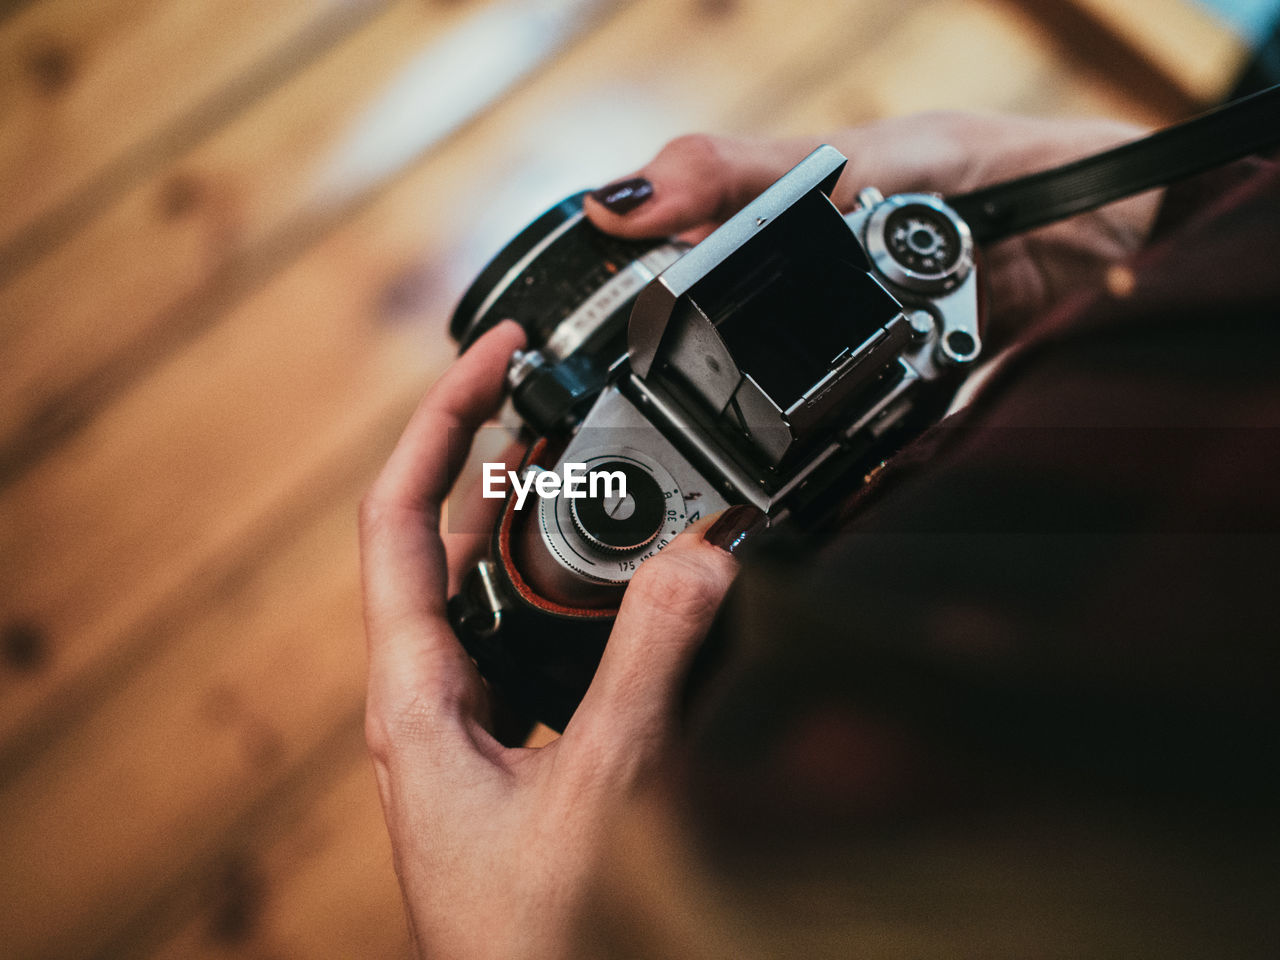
x=604, y=538
x=612, y=520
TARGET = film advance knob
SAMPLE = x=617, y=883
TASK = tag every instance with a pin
x=919, y=243
x=923, y=240
x=618, y=523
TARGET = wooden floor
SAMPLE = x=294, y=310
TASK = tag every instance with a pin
x=230, y=237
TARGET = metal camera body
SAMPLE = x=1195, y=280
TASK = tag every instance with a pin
x=777, y=363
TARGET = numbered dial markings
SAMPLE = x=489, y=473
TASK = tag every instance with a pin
x=605, y=538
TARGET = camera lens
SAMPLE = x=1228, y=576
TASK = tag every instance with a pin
x=553, y=268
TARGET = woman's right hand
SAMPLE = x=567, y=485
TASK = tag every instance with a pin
x=697, y=182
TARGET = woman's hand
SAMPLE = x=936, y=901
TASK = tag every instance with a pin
x=494, y=847
x=697, y=182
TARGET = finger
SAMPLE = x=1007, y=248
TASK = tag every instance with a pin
x=665, y=613
x=425, y=463
x=402, y=556
x=695, y=181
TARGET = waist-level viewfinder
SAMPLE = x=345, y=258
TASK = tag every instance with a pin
x=772, y=324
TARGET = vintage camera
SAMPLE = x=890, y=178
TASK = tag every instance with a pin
x=776, y=363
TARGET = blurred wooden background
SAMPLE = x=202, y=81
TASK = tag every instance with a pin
x=230, y=236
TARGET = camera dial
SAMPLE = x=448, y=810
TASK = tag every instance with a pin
x=605, y=537
x=623, y=519
x=919, y=243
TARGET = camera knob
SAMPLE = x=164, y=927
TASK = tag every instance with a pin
x=613, y=521
x=919, y=243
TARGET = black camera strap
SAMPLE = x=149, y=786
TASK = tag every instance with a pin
x=1234, y=130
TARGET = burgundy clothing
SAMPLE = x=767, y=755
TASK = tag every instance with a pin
x=1075, y=581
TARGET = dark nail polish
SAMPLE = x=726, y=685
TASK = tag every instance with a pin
x=625, y=195
x=735, y=526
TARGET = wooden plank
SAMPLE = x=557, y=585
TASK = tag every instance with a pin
x=230, y=704
x=189, y=464
x=104, y=89
x=938, y=56
x=307, y=874
x=1186, y=41
x=10, y=7
x=139, y=280
x=1086, y=43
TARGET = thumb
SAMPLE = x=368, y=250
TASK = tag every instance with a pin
x=665, y=613
x=694, y=182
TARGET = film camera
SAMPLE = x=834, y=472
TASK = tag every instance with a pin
x=776, y=363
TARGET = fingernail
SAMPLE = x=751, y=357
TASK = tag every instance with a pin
x=735, y=526
x=625, y=195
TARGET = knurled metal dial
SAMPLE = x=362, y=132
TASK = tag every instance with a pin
x=919, y=243
x=616, y=521
x=604, y=539
x=922, y=240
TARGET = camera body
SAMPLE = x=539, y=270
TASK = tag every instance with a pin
x=778, y=363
